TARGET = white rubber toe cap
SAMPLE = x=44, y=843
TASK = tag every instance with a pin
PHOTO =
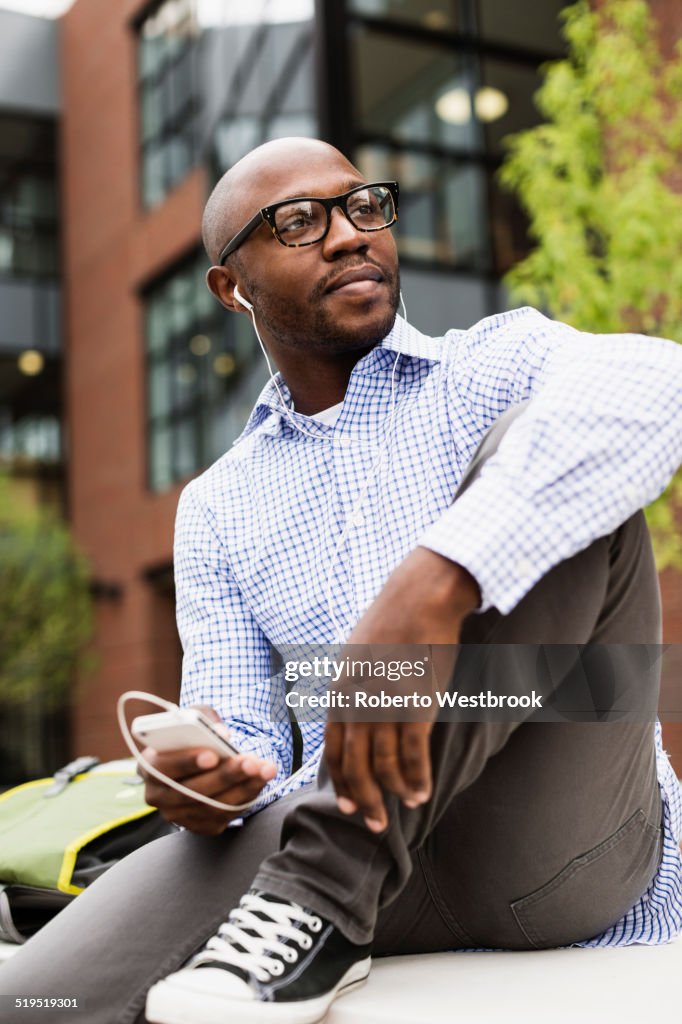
x=211, y=981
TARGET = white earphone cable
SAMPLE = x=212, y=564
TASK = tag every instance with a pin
x=173, y=783
x=168, y=705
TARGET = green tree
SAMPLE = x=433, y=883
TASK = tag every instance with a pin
x=45, y=605
x=600, y=183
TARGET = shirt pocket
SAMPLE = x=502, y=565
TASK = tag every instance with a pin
x=595, y=889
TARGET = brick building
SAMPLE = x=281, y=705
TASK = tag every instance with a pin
x=157, y=99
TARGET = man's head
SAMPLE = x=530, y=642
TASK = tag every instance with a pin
x=298, y=293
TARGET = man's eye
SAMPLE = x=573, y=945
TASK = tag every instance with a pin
x=295, y=220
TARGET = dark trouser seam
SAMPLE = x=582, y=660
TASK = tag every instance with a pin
x=444, y=912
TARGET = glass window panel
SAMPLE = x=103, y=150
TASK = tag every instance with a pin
x=6, y=250
x=181, y=299
x=46, y=255
x=206, y=303
x=187, y=371
x=29, y=212
x=509, y=106
x=298, y=91
x=152, y=175
x=234, y=138
x=36, y=197
x=151, y=112
x=27, y=254
x=283, y=125
x=178, y=157
x=462, y=215
x=277, y=48
x=150, y=55
x=206, y=369
x=413, y=92
x=242, y=341
x=508, y=228
x=161, y=461
x=433, y=14
x=523, y=23
x=442, y=206
x=168, y=100
x=165, y=102
x=160, y=389
x=182, y=90
x=157, y=326
x=186, y=448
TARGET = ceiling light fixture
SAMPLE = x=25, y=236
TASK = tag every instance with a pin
x=31, y=362
x=200, y=345
x=454, y=106
x=490, y=104
x=224, y=365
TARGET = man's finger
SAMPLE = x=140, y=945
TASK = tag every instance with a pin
x=358, y=776
x=415, y=759
x=200, y=817
x=179, y=764
x=386, y=763
x=333, y=753
x=230, y=772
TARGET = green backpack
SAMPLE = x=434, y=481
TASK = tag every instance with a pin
x=58, y=835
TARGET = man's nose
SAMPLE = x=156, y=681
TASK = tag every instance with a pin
x=342, y=236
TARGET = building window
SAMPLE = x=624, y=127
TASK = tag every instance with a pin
x=203, y=375
x=29, y=234
x=431, y=89
x=262, y=54
x=168, y=101
x=523, y=24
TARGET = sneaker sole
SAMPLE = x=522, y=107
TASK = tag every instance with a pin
x=172, y=1004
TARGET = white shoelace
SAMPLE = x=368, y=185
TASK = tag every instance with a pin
x=261, y=949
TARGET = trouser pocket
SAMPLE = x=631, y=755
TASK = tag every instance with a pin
x=595, y=889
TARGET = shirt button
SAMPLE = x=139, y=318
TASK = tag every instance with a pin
x=524, y=567
x=630, y=493
x=358, y=519
x=344, y=441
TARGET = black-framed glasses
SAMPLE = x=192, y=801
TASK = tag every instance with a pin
x=306, y=220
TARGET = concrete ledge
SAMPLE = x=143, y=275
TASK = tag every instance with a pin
x=628, y=985
x=558, y=986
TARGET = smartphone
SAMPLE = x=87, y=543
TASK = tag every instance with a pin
x=181, y=728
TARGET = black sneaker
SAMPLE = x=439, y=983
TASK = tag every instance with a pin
x=272, y=960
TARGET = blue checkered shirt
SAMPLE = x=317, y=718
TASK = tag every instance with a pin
x=256, y=532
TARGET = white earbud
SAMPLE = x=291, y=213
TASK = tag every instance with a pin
x=240, y=298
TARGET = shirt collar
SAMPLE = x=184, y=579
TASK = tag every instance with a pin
x=402, y=338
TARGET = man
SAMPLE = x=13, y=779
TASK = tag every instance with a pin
x=332, y=519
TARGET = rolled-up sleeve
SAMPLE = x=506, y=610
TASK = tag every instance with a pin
x=600, y=438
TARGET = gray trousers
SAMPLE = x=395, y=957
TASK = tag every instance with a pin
x=537, y=834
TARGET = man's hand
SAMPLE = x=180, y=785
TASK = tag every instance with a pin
x=232, y=780
x=423, y=602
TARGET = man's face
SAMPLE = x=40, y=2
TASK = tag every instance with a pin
x=300, y=295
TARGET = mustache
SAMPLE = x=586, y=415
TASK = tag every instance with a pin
x=341, y=268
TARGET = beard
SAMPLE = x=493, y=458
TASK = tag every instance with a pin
x=309, y=325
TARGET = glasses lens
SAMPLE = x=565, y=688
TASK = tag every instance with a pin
x=371, y=208
x=301, y=221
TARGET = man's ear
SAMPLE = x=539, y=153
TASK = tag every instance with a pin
x=221, y=283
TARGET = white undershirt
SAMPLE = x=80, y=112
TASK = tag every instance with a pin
x=328, y=416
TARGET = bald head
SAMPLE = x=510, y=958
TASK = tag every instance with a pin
x=253, y=182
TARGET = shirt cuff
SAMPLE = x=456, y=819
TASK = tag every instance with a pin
x=505, y=543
